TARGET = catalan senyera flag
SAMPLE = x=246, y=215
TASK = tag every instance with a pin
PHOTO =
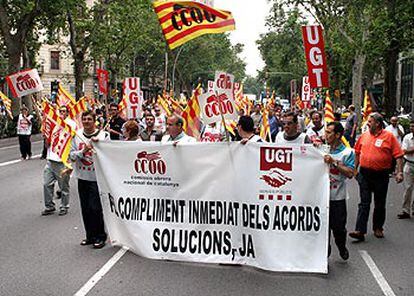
x=122, y=108
x=367, y=107
x=78, y=108
x=64, y=98
x=182, y=21
x=231, y=126
x=57, y=132
x=299, y=103
x=329, y=116
x=7, y=103
x=191, y=116
x=265, y=127
x=164, y=105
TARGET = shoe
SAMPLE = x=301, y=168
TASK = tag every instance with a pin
x=29, y=157
x=48, y=211
x=22, y=158
x=86, y=242
x=378, y=233
x=403, y=215
x=63, y=212
x=344, y=253
x=358, y=235
x=99, y=244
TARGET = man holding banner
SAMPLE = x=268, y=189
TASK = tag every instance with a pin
x=84, y=170
x=342, y=163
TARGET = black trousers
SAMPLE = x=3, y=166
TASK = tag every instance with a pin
x=337, y=222
x=91, y=210
x=372, y=182
x=25, y=146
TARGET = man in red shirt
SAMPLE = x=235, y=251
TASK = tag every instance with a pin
x=374, y=151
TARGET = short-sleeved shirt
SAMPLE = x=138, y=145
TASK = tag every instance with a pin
x=316, y=135
x=408, y=143
x=376, y=152
x=350, y=121
x=337, y=180
x=154, y=135
x=24, y=126
x=394, y=131
x=116, y=124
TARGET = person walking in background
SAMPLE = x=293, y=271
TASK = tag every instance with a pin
x=408, y=149
x=396, y=129
x=351, y=126
x=375, y=151
x=24, y=131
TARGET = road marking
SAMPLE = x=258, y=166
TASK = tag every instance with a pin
x=382, y=282
x=15, y=146
x=101, y=272
x=17, y=160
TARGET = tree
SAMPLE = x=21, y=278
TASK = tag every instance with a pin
x=17, y=23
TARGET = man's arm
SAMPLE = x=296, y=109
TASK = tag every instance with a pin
x=399, y=177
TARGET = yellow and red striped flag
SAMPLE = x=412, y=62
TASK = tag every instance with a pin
x=231, y=126
x=265, y=127
x=7, y=104
x=64, y=98
x=57, y=132
x=191, y=116
x=329, y=116
x=367, y=107
x=182, y=21
x=78, y=108
x=164, y=105
x=299, y=103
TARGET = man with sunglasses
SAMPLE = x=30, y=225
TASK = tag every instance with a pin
x=290, y=133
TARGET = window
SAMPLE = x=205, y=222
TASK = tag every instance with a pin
x=54, y=60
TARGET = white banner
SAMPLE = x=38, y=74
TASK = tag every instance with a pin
x=24, y=83
x=224, y=84
x=132, y=90
x=257, y=204
x=212, y=108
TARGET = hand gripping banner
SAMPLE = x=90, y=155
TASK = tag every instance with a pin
x=258, y=204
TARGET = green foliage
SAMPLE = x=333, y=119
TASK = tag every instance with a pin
x=282, y=50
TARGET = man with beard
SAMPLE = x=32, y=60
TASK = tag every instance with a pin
x=375, y=151
x=150, y=133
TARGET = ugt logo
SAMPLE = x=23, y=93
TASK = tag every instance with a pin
x=276, y=162
x=150, y=163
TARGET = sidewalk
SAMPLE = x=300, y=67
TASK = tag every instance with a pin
x=14, y=140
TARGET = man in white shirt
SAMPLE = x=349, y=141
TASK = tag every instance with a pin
x=246, y=129
x=408, y=149
x=395, y=128
x=316, y=133
x=290, y=132
x=24, y=131
x=175, y=131
x=160, y=120
x=53, y=172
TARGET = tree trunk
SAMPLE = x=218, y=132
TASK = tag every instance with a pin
x=79, y=67
x=390, y=73
x=14, y=54
x=357, y=70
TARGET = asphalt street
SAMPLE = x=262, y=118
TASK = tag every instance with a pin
x=42, y=256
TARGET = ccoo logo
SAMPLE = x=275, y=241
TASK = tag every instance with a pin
x=150, y=163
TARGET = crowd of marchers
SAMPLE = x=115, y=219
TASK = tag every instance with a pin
x=381, y=151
